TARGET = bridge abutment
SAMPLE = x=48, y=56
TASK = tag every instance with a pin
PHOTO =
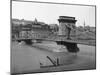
x=28, y=41
x=71, y=47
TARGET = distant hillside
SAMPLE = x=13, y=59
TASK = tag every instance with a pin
x=85, y=35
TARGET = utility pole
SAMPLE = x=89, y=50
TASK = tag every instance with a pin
x=84, y=25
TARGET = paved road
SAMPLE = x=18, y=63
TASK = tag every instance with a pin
x=26, y=59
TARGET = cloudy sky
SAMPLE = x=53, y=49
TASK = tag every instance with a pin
x=49, y=13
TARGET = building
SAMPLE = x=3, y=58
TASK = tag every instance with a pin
x=31, y=29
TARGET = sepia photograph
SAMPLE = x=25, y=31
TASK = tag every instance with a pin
x=52, y=37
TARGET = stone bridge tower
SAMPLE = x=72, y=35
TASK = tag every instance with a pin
x=66, y=26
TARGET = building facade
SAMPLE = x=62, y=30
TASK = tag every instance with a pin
x=32, y=29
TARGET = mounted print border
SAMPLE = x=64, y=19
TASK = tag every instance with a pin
x=52, y=37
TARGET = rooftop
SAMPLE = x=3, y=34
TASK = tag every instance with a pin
x=66, y=17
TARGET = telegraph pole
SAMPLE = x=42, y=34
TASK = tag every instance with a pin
x=84, y=24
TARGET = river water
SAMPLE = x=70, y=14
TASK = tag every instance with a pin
x=25, y=58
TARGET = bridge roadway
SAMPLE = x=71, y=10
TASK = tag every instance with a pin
x=84, y=42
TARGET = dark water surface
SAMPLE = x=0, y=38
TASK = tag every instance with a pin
x=26, y=59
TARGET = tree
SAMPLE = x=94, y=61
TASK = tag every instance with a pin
x=54, y=27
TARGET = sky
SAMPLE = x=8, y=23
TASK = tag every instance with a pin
x=49, y=13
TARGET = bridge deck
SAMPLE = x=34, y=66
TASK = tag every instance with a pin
x=85, y=42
